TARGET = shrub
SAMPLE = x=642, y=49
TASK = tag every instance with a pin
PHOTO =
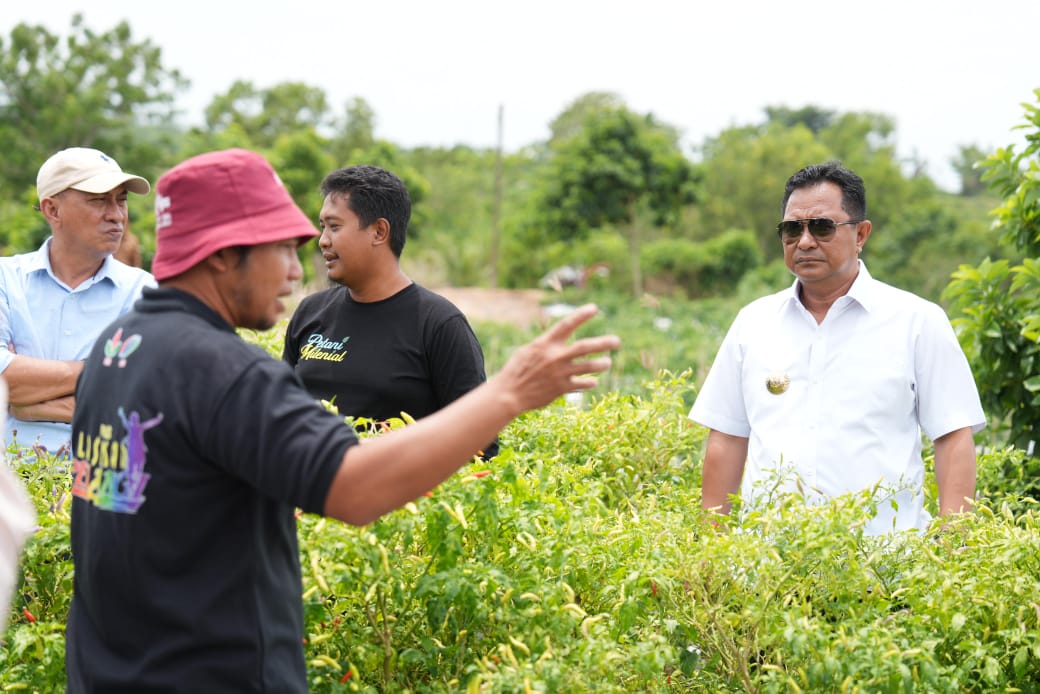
x=710, y=268
x=999, y=319
x=579, y=560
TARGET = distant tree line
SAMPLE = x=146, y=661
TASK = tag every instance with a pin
x=611, y=187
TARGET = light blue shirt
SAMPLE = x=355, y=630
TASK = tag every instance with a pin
x=43, y=317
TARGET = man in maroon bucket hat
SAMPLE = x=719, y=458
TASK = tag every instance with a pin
x=192, y=449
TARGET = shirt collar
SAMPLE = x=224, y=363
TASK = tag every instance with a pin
x=41, y=261
x=863, y=290
x=161, y=299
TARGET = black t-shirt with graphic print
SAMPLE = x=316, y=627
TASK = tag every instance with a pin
x=191, y=451
x=413, y=352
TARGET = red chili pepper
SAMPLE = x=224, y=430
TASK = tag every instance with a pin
x=345, y=677
x=28, y=614
x=653, y=588
x=482, y=473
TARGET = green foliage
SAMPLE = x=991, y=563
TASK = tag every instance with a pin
x=266, y=114
x=657, y=334
x=921, y=249
x=605, y=173
x=710, y=268
x=459, y=209
x=356, y=132
x=745, y=170
x=390, y=157
x=24, y=228
x=812, y=117
x=620, y=170
x=1009, y=477
x=993, y=304
x=33, y=649
x=571, y=121
x=999, y=303
x=766, y=279
x=803, y=601
x=89, y=89
x=618, y=160
x=966, y=164
x=579, y=560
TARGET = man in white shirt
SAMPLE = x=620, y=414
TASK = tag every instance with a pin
x=829, y=383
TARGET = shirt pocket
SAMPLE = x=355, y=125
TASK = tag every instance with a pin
x=876, y=381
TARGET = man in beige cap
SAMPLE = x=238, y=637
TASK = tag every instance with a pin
x=55, y=300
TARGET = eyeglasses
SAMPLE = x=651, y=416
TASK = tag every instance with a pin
x=821, y=228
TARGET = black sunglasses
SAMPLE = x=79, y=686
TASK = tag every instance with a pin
x=821, y=228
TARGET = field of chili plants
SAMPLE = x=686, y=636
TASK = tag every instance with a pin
x=579, y=560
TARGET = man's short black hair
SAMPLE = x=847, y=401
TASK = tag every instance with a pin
x=853, y=192
x=372, y=193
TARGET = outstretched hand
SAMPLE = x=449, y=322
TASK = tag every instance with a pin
x=549, y=366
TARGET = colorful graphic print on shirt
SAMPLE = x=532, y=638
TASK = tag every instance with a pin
x=118, y=348
x=109, y=473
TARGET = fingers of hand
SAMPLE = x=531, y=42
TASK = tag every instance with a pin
x=592, y=345
x=589, y=366
x=566, y=326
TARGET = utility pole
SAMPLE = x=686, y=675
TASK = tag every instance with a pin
x=496, y=214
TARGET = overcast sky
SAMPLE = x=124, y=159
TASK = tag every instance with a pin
x=951, y=72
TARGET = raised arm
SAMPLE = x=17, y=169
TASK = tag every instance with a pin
x=390, y=470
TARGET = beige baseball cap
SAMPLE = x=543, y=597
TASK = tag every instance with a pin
x=89, y=170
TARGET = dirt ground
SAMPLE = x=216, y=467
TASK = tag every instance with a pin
x=521, y=307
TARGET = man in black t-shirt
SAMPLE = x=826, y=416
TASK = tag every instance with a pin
x=378, y=345
x=192, y=448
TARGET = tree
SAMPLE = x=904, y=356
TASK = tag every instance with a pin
x=621, y=169
x=966, y=164
x=999, y=303
x=865, y=142
x=103, y=90
x=812, y=117
x=265, y=114
x=355, y=132
x=925, y=245
x=745, y=169
x=459, y=217
x=572, y=119
x=89, y=90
